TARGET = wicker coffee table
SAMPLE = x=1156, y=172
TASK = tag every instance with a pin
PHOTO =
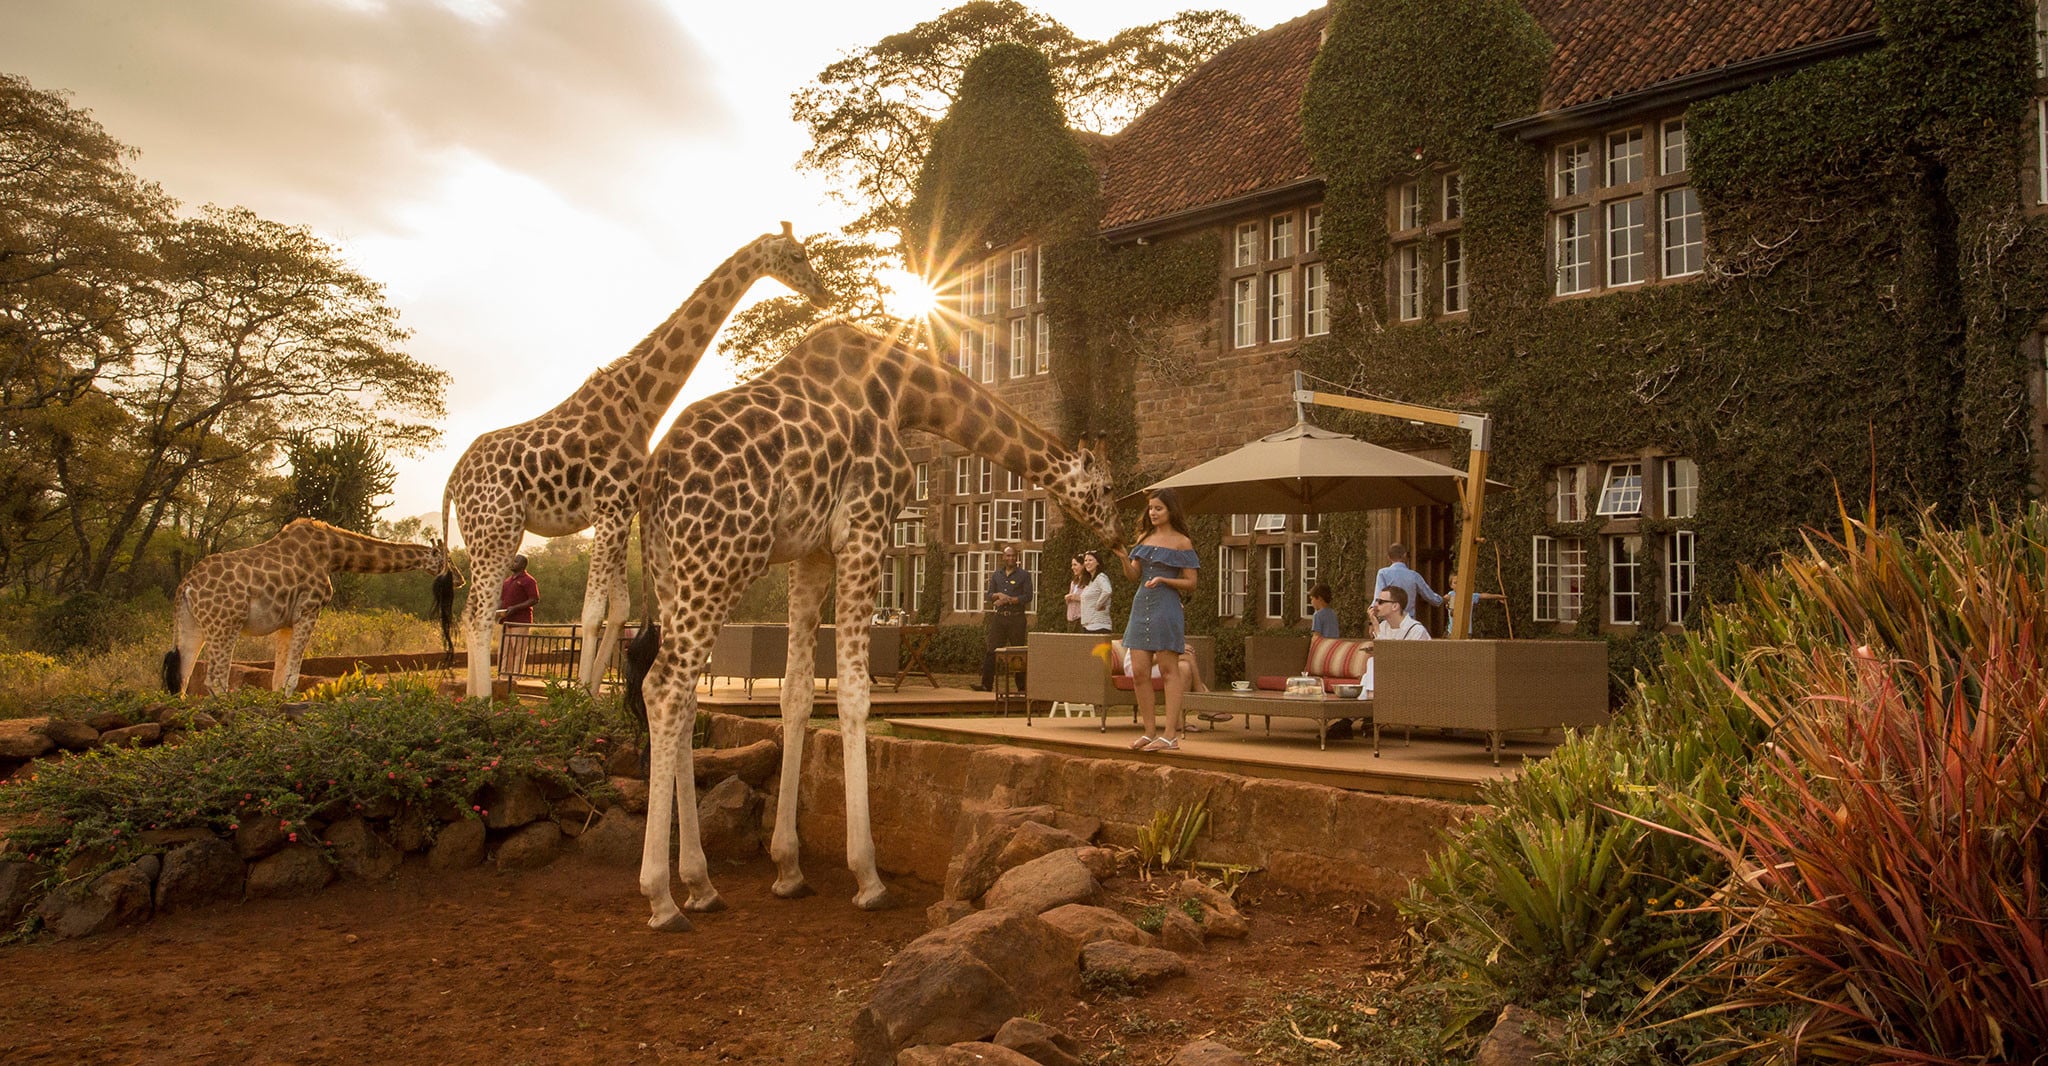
x=1271, y=705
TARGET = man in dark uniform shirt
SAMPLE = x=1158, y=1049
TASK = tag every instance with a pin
x=515, y=609
x=1009, y=591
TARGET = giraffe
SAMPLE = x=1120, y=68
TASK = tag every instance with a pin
x=578, y=465
x=804, y=464
x=278, y=587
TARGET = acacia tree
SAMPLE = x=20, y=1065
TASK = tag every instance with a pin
x=870, y=116
x=154, y=363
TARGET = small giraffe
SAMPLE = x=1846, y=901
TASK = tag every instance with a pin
x=278, y=587
x=804, y=464
x=579, y=464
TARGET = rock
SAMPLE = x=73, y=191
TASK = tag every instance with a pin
x=258, y=837
x=25, y=745
x=379, y=808
x=945, y=912
x=150, y=866
x=729, y=820
x=1208, y=1053
x=632, y=793
x=201, y=720
x=1102, y=862
x=1088, y=924
x=615, y=840
x=134, y=736
x=71, y=734
x=961, y=983
x=298, y=870
x=1044, y=883
x=1039, y=1042
x=1179, y=932
x=104, y=721
x=411, y=830
x=1220, y=916
x=20, y=885
x=975, y=1053
x=363, y=854
x=1508, y=1043
x=530, y=847
x=586, y=769
x=458, y=846
x=625, y=762
x=84, y=908
x=197, y=873
x=573, y=814
x=1139, y=966
x=512, y=804
x=1033, y=839
x=756, y=764
x=981, y=838
x=173, y=837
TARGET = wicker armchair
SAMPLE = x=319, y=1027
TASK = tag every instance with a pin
x=1068, y=668
x=749, y=652
x=1493, y=686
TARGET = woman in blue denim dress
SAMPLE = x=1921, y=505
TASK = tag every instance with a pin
x=1164, y=565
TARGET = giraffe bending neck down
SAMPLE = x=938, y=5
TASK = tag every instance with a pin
x=277, y=587
x=804, y=464
x=578, y=465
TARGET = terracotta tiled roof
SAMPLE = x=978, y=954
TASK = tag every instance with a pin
x=1233, y=127
x=1230, y=128
x=1609, y=47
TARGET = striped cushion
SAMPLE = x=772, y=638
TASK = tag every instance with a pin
x=1336, y=658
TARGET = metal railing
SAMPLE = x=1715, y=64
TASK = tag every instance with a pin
x=554, y=652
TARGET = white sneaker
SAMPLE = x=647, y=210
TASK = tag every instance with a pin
x=1142, y=743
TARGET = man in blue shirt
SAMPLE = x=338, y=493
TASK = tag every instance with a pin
x=1397, y=575
x=1008, y=593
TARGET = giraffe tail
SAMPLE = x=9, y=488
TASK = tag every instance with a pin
x=444, y=605
x=639, y=659
x=173, y=670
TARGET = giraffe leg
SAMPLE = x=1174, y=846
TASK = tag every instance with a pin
x=671, y=793
x=302, y=635
x=858, y=581
x=605, y=598
x=220, y=655
x=280, y=654
x=491, y=551
x=809, y=578
x=190, y=639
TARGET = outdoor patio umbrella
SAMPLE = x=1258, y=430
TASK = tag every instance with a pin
x=1306, y=469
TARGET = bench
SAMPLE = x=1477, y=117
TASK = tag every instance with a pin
x=1491, y=686
x=1075, y=668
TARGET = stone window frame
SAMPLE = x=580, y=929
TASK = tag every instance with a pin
x=1557, y=570
x=1420, y=233
x=1589, y=181
x=1669, y=485
x=1249, y=287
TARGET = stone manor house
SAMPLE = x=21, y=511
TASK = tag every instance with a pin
x=1224, y=153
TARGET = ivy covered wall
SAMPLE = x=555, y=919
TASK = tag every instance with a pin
x=1871, y=276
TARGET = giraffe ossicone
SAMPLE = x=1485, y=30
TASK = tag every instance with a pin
x=804, y=464
x=278, y=588
x=578, y=465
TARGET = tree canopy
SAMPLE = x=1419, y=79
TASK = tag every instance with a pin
x=155, y=362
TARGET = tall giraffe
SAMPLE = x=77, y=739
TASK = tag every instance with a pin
x=278, y=587
x=804, y=464
x=579, y=464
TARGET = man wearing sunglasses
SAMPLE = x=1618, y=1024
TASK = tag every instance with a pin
x=1390, y=609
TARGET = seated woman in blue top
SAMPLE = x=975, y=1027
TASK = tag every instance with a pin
x=1164, y=565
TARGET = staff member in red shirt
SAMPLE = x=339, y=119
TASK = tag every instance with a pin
x=515, y=610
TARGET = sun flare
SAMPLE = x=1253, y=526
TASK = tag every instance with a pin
x=906, y=295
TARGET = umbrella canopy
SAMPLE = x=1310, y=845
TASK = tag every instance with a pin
x=1306, y=469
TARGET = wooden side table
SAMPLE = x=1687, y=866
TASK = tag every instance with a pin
x=1010, y=695
x=916, y=640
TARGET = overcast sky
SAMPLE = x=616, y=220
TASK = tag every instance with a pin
x=536, y=184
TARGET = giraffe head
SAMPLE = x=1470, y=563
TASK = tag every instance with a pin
x=1081, y=483
x=783, y=258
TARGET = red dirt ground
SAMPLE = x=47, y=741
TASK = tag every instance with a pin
x=558, y=966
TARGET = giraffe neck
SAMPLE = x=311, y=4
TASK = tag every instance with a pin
x=949, y=405
x=655, y=370
x=357, y=553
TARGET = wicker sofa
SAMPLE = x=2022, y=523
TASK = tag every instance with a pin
x=1271, y=658
x=1069, y=668
x=1492, y=686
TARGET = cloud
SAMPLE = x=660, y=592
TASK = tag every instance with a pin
x=339, y=113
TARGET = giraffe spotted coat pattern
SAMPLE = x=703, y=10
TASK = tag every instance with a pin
x=276, y=588
x=805, y=464
x=578, y=465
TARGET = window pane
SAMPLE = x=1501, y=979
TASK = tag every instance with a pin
x=1574, y=169
x=1625, y=250
x=1453, y=198
x=1674, y=146
x=1315, y=300
x=1276, y=581
x=1681, y=488
x=989, y=281
x=1280, y=306
x=988, y=353
x=1409, y=214
x=1622, y=494
x=1571, y=494
x=1312, y=231
x=1247, y=244
x=1685, y=242
x=1044, y=346
x=1408, y=283
x=1622, y=555
x=1281, y=244
x=1574, y=252
x=1305, y=555
x=1680, y=570
x=1454, y=274
x=1020, y=347
x=1624, y=157
x=1244, y=313
x=1020, y=274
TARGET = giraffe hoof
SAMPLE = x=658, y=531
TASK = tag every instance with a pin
x=795, y=891
x=709, y=906
x=676, y=923
x=880, y=901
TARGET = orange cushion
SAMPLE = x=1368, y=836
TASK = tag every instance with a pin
x=1270, y=683
x=1336, y=658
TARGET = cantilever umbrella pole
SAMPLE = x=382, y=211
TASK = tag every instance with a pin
x=1481, y=429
